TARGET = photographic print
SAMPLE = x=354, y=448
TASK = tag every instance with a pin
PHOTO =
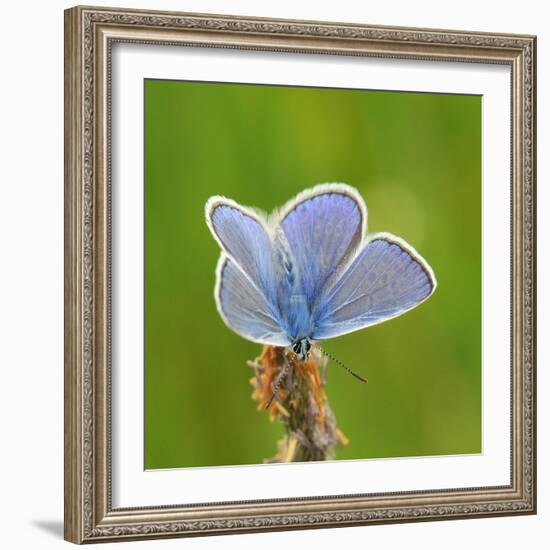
x=299, y=274
x=312, y=274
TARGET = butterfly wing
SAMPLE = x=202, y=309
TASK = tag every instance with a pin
x=387, y=278
x=244, y=308
x=323, y=227
x=245, y=290
x=243, y=236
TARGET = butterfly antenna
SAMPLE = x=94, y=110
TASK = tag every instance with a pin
x=278, y=381
x=353, y=373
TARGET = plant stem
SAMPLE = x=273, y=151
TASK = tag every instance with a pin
x=300, y=404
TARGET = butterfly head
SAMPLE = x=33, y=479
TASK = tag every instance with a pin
x=301, y=348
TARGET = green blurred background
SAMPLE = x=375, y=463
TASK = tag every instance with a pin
x=416, y=160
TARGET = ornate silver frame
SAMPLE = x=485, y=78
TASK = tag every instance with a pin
x=89, y=35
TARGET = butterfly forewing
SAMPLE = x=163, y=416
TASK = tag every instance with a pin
x=245, y=239
x=324, y=227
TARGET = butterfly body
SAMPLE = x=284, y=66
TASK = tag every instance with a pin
x=293, y=305
x=310, y=271
x=301, y=348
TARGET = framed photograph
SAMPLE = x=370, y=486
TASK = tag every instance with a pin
x=300, y=274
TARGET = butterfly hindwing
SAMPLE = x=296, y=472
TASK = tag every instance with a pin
x=244, y=307
x=387, y=278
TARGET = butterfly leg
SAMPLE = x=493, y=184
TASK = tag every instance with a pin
x=290, y=380
x=276, y=384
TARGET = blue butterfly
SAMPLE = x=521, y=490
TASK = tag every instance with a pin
x=310, y=271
